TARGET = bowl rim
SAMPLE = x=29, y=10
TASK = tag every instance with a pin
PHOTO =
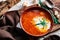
x=30, y=33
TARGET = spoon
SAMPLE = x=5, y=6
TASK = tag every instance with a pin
x=51, y=5
x=48, y=5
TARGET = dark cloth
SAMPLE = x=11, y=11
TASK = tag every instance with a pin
x=10, y=18
x=7, y=24
x=8, y=29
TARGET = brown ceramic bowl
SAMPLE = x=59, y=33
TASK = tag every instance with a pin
x=28, y=14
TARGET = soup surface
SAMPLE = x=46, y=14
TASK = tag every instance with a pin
x=35, y=22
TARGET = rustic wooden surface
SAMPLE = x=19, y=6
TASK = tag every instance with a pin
x=55, y=27
x=5, y=6
x=11, y=3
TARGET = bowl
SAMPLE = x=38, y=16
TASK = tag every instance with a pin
x=36, y=21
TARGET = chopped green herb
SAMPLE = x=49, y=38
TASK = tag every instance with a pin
x=42, y=22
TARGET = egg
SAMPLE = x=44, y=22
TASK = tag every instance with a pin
x=40, y=27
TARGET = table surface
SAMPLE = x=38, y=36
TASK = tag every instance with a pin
x=19, y=6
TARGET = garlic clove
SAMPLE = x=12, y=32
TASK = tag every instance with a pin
x=56, y=12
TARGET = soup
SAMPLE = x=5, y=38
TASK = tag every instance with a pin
x=35, y=22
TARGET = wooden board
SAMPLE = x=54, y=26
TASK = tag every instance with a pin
x=6, y=5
